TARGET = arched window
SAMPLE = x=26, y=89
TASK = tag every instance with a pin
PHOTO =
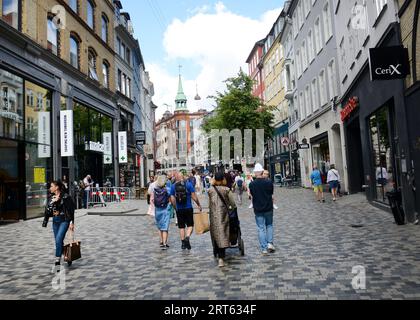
x=92, y=65
x=105, y=23
x=105, y=73
x=52, y=35
x=74, y=51
x=90, y=14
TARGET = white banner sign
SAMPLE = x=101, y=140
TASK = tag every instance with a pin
x=122, y=147
x=66, y=133
x=107, y=136
x=44, y=135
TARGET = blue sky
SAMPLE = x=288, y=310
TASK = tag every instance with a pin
x=185, y=23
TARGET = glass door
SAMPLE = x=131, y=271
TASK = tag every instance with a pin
x=9, y=181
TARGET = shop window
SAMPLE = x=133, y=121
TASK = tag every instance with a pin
x=11, y=12
x=321, y=157
x=382, y=154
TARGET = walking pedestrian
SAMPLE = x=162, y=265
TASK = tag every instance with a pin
x=150, y=193
x=151, y=180
x=87, y=183
x=220, y=195
x=262, y=191
x=239, y=188
x=162, y=213
x=316, y=179
x=60, y=208
x=333, y=180
x=248, y=181
x=182, y=192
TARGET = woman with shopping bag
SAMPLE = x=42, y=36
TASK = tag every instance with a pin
x=60, y=208
x=219, y=216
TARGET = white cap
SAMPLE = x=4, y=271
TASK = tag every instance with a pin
x=258, y=168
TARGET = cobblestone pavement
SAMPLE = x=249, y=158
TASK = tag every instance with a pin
x=317, y=249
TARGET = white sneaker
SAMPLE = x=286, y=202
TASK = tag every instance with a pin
x=271, y=248
x=221, y=263
x=251, y=206
x=264, y=252
x=275, y=207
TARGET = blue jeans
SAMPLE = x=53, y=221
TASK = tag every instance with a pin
x=265, y=228
x=60, y=227
x=85, y=198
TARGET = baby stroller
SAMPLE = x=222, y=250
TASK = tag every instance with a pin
x=236, y=240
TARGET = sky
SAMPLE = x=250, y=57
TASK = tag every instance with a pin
x=211, y=40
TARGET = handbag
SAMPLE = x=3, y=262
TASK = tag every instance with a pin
x=72, y=250
x=201, y=223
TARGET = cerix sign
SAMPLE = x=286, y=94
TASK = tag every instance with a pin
x=389, y=63
x=349, y=108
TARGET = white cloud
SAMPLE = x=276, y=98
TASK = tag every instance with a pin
x=218, y=42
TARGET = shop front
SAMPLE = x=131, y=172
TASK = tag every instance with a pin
x=376, y=135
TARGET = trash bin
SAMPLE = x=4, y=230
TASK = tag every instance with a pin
x=395, y=201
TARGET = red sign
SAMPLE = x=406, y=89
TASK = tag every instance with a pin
x=349, y=108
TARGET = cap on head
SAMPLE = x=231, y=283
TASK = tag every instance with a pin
x=258, y=168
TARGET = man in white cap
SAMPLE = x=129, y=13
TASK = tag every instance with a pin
x=262, y=191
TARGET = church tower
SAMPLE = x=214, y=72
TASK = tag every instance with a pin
x=181, y=99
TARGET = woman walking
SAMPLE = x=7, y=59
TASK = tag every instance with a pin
x=61, y=208
x=333, y=180
x=220, y=198
x=162, y=210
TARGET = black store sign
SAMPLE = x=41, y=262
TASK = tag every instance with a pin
x=141, y=137
x=389, y=63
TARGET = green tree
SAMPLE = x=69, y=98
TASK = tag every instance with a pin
x=237, y=108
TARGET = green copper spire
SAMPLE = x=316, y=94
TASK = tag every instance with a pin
x=181, y=98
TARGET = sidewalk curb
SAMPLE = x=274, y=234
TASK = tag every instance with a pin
x=93, y=213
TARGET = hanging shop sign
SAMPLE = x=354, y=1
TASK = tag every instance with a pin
x=94, y=146
x=66, y=133
x=44, y=135
x=107, y=138
x=389, y=63
x=349, y=108
x=285, y=141
x=304, y=146
x=140, y=137
x=122, y=147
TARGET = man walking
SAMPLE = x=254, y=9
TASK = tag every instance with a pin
x=239, y=188
x=262, y=190
x=181, y=194
x=316, y=180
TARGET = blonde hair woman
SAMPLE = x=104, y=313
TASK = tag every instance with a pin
x=162, y=213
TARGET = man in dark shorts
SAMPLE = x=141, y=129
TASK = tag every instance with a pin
x=182, y=192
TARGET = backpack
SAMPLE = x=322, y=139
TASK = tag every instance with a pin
x=161, y=197
x=82, y=185
x=181, y=193
x=240, y=183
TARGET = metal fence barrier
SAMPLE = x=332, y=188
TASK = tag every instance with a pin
x=104, y=196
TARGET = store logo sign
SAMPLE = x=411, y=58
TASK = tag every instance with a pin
x=389, y=63
x=44, y=135
x=107, y=136
x=66, y=133
x=94, y=146
x=349, y=108
x=122, y=147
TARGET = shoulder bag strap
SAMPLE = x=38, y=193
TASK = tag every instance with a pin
x=222, y=198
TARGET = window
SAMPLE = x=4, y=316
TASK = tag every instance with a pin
x=311, y=48
x=105, y=22
x=332, y=78
x=314, y=90
x=302, y=105
x=327, y=22
x=74, y=52
x=322, y=88
x=73, y=5
x=380, y=4
x=128, y=87
x=299, y=65
x=122, y=51
x=295, y=24
x=300, y=14
x=90, y=14
x=124, y=84
x=10, y=12
x=308, y=100
x=304, y=56
x=307, y=7
x=52, y=36
x=119, y=46
x=128, y=56
x=318, y=36
x=92, y=65
x=105, y=74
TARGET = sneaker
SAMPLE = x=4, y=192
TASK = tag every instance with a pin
x=275, y=207
x=271, y=248
x=183, y=246
x=265, y=252
x=187, y=243
x=323, y=200
x=162, y=245
x=167, y=246
x=221, y=263
x=163, y=248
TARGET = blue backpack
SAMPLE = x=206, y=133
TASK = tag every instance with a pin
x=161, y=197
x=240, y=183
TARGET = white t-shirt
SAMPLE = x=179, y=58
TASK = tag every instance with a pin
x=381, y=173
x=333, y=175
x=87, y=184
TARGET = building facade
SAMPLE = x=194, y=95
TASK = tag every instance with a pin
x=316, y=70
x=255, y=69
x=378, y=142
x=57, y=73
